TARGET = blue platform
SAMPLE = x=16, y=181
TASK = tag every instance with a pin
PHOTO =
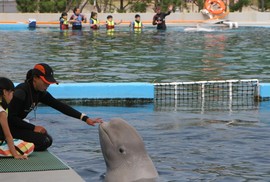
x=18, y=26
x=102, y=91
x=264, y=91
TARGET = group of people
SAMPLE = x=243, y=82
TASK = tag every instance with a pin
x=17, y=102
x=77, y=19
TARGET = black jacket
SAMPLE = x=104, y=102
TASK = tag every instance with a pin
x=161, y=17
x=26, y=98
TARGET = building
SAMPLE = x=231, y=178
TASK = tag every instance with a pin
x=8, y=6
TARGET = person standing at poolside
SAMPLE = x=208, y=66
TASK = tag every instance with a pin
x=77, y=19
x=94, y=22
x=26, y=97
x=6, y=94
x=159, y=18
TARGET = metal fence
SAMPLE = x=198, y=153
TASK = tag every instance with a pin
x=206, y=94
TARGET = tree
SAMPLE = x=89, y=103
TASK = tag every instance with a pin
x=25, y=6
x=165, y=4
x=61, y=5
x=66, y=5
x=200, y=4
x=139, y=6
x=47, y=6
x=122, y=8
x=69, y=5
x=101, y=5
x=239, y=5
x=83, y=4
x=263, y=5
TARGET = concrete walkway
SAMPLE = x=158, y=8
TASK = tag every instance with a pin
x=245, y=18
x=42, y=176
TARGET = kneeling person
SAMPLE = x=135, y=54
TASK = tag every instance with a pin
x=6, y=94
x=26, y=97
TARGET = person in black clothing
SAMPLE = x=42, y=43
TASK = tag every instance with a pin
x=26, y=97
x=159, y=18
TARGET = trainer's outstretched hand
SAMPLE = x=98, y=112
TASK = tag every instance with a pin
x=93, y=121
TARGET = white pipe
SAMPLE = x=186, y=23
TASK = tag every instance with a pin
x=205, y=82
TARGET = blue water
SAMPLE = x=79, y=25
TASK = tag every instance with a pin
x=149, y=56
x=186, y=142
x=184, y=145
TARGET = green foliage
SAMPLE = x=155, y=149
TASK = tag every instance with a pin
x=239, y=5
x=267, y=4
x=44, y=6
x=264, y=5
x=139, y=7
x=27, y=5
x=200, y=4
x=61, y=5
x=165, y=4
x=47, y=6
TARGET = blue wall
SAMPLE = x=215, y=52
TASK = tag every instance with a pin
x=136, y=90
x=19, y=26
x=102, y=90
x=264, y=90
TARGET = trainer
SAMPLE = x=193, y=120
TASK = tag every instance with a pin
x=159, y=18
x=26, y=97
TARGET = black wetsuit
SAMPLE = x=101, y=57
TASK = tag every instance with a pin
x=160, y=17
x=24, y=101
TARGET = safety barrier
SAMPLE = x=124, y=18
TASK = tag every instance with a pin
x=206, y=90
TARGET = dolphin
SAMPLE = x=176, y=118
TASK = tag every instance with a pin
x=124, y=153
x=198, y=29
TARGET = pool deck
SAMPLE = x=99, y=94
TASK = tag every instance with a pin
x=42, y=176
x=40, y=166
x=177, y=19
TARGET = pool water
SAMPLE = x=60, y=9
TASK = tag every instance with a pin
x=217, y=145
x=186, y=142
x=147, y=56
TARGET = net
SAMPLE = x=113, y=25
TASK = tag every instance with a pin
x=207, y=93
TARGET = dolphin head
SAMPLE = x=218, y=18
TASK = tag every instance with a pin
x=124, y=153
x=120, y=143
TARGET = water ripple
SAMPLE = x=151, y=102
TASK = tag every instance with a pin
x=148, y=56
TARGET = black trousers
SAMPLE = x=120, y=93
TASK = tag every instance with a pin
x=76, y=27
x=41, y=141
